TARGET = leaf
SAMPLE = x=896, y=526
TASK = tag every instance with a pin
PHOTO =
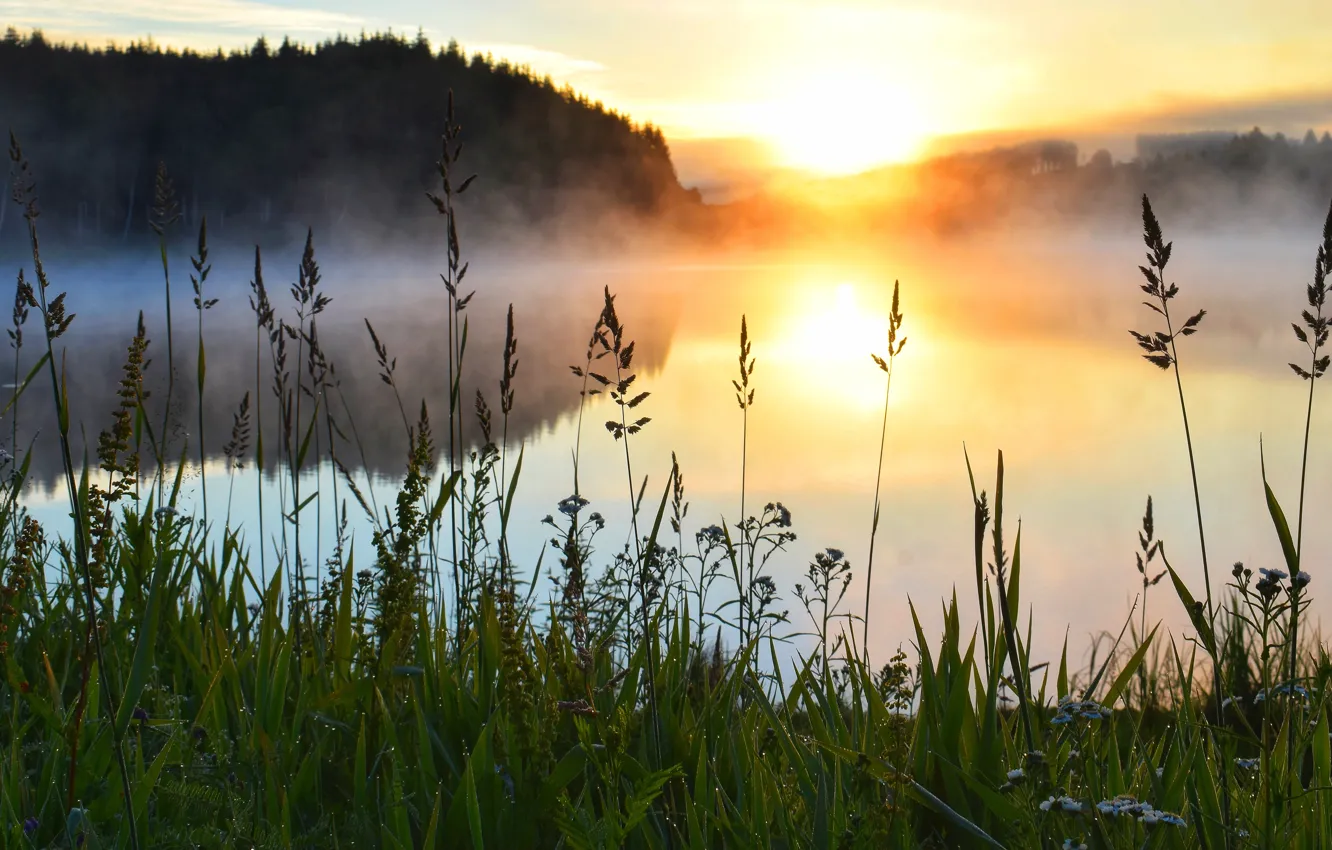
x=1282, y=527
x=145, y=643
x=1131, y=667
x=1197, y=615
x=924, y=795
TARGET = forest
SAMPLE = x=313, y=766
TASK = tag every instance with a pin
x=344, y=132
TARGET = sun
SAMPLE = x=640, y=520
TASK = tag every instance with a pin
x=844, y=122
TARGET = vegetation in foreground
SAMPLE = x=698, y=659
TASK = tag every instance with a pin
x=173, y=681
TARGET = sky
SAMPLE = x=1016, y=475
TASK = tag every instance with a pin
x=835, y=86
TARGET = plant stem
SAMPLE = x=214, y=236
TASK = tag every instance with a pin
x=874, y=527
x=1202, y=543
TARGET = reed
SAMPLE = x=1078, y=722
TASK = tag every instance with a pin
x=885, y=364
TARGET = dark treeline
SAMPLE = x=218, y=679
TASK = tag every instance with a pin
x=294, y=136
x=1205, y=177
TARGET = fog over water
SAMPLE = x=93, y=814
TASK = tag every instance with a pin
x=1017, y=341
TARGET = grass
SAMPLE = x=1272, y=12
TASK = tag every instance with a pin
x=171, y=682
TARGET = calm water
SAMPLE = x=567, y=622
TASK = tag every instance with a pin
x=1016, y=343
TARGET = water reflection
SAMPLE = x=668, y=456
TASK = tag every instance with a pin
x=1017, y=344
x=554, y=319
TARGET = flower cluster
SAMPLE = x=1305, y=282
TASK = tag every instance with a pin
x=1128, y=805
x=1070, y=709
x=1270, y=582
x=1246, y=764
x=713, y=535
x=1283, y=691
x=1069, y=845
x=571, y=505
x=1064, y=804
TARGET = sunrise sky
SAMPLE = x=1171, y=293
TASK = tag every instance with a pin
x=829, y=86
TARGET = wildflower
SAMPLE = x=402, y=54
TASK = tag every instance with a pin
x=165, y=511
x=598, y=520
x=1246, y=764
x=1260, y=696
x=30, y=826
x=1071, y=708
x=1017, y=775
x=1172, y=819
x=1124, y=804
x=1064, y=803
x=713, y=535
x=1288, y=689
x=5, y=457
x=1069, y=845
x=1229, y=701
x=571, y=505
x=1274, y=575
x=1301, y=579
x=1160, y=771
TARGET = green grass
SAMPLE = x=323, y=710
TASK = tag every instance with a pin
x=166, y=685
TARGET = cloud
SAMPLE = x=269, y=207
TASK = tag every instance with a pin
x=128, y=16
x=540, y=60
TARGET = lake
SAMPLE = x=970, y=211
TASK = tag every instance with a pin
x=1016, y=341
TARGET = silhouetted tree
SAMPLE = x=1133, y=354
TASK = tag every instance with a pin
x=315, y=135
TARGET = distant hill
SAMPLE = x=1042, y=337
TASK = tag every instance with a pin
x=296, y=136
x=1202, y=179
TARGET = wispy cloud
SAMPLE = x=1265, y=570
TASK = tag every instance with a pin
x=224, y=17
x=540, y=60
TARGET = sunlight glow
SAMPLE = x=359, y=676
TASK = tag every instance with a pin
x=843, y=121
x=827, y=338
